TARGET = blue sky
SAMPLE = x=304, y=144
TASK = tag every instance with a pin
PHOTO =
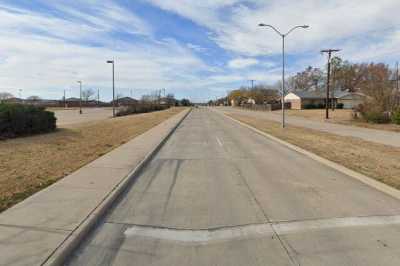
x=194, y=49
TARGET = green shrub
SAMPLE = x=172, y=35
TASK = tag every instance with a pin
x=18, y=120
x=376, y=117
x=339, y=106
x=314, y=106
x=310, y=106
x=396, y=117
x=141, y=108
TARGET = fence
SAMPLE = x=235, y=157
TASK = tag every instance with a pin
x=265, y=107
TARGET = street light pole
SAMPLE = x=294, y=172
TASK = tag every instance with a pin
x=113, y=82
x=283, y=62
x=283, y=82
x=80, y=96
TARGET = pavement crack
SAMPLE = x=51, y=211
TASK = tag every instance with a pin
x=171, y=187
x=36, y=228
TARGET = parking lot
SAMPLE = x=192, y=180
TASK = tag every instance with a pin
x=71, y=117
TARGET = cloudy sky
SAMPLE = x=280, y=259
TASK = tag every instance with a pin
x=195, y=49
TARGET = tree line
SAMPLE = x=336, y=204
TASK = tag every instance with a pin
x=377, y=81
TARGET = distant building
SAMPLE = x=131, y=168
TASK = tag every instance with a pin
x=251, y=101
x=125, y=101
x=13, y=100
x=350, y=100
x=71, y=100
x=301, y=99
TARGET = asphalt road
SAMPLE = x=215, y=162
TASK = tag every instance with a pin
x=219, y=194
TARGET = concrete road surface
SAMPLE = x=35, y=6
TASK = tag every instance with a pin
x=219, y=194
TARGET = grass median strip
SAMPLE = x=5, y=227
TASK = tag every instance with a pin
x=30, y=164
x=378, y=161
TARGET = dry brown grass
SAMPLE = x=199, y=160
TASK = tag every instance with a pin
x=340, y=116
x=319, y=114
x=32, y=163
x=378, y=161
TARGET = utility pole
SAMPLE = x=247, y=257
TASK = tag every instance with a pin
x=252, y=83
x=65, y=100
x=113, y=84
x=98, y=96
x=397, y=83
x=80, y=96
x=20, y=95
x=329, y=52
x=333, y=88
x=397, y=78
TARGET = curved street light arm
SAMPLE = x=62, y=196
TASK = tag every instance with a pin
x=272, y=27
x=287, y=33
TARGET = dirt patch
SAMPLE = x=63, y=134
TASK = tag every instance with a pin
x=378, y=161
x=340, y=116
x=32, y=163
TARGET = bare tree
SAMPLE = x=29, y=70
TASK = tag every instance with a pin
x=34, y=98
x=5, y=96
x=170, y=99
x=308, y=80
x=87, y=94
x=260, y=94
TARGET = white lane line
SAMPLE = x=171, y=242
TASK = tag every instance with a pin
x=201, y=236
x=301, y=226
x=187, y=236
x=219, y=141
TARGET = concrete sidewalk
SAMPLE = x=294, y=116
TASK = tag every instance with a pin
x=373, y=135
x=34, y=230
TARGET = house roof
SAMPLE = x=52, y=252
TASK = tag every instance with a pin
x=127, y=99
x=12, y=99
x=309, y=94
x=322, y=94
x=72, y=99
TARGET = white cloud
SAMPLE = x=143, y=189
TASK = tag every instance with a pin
x=242, y=62
x=333, y=23
x=196, y=48
x=43, y=63
x=45, y=53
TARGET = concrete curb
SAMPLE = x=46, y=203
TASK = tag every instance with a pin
x=340, y=168
x=65, y=249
